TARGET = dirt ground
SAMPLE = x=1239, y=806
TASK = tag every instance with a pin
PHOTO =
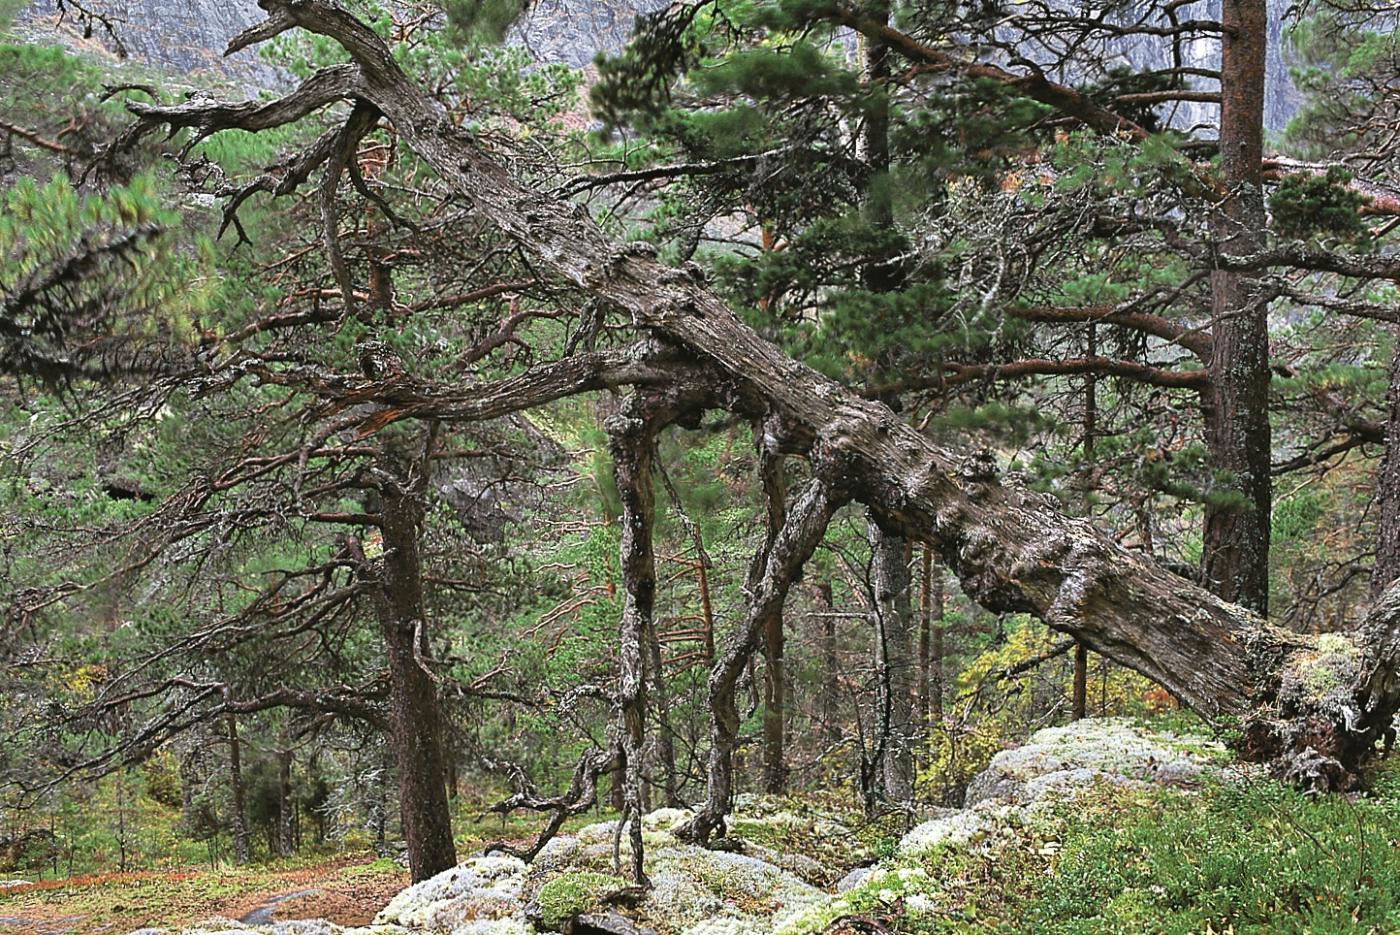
x=347, y=890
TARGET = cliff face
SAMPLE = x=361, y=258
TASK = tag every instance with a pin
x=187, y=37
x=184, y=37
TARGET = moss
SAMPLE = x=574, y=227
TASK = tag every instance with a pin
x=567, y=895
x=1337, y=644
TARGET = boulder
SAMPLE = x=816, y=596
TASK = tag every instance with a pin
x=1056, y=761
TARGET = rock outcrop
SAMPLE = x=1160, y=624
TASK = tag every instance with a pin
x=571, y=885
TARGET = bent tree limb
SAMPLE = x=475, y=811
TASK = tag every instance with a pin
x=578, y=798
x=1011, y=548
x=776, y=566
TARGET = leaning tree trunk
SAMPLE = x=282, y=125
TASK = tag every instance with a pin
x=1012, y=549
x=415, y=721
x=1235, y=559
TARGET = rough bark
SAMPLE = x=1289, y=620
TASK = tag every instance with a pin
x=632, y=441
x=773, y=572
x=1387, y=567
x=240, y=808
x=1011, y=548
x=889, y=573
x=415, y=720
x=774, y=701
x=1235, y=562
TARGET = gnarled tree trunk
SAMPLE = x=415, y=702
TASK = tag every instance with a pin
x=1012, y=549
x=774, y=570
x=633, y=440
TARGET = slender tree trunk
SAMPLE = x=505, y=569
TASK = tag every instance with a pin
x=925, y=641
x=414, y=717
x=1387, y=567
x=1079, y=691
x=774, y=713
x=662, y=744
x=775, y=567
x=632, y=441
x=831, y=674
x=235, y=781
x=936, y=651
x=1236, y=538
x=285, y=817
x=707, y=645
x=894, y=649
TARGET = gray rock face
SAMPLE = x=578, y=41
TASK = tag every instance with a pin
x=188, y=36
x=573, y=32
x=182, y=36
x=1141, y=54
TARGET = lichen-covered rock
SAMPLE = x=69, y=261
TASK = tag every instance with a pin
x=958, y=828
x=853, y=879
x=480, y=889
x=1058, y=760
x=762, y=890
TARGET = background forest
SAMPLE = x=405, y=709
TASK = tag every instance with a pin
x=347, y=529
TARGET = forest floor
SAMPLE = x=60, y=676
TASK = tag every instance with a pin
x=347, y=889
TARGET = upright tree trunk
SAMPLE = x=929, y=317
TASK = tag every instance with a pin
x=632, y=442
x=831, y=672
x=1079, y=690
x=415, y=722
x=774, y=706
x=894, y=646
x=285, y=817
x=889, y=572
x=1387, y=567
x=925, y=641
x=937, y=648
x=1080, y=693
x=235, y=781
x=663, y=745
x=1236, y=538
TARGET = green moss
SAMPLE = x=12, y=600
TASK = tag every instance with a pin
x=567, y=895
x=1337, y=644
